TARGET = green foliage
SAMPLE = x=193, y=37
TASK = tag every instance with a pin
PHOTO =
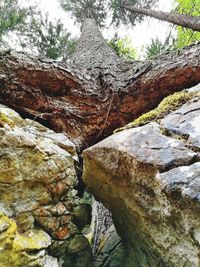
x=50, y=39
x=101, y=9
x=123, y=16
x=29, y=29
x=184, y=36
x=156, y=47
x=12, y=17
x=96, y=9
x=187, y=36
x=123, y=48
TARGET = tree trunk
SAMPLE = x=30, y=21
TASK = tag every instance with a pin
x=191, y=22
x=94, y=92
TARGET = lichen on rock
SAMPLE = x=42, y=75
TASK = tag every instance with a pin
x=27, y=249
x=38, y=195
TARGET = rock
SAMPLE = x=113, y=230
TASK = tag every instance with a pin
x=27, y=249
x=101, y=223
x=82, y=215
x=37, y=190
x=185, y=123
x=51, y=262
x=37, y=175
x=75, y=252
x=111, y=252
x=148, y=177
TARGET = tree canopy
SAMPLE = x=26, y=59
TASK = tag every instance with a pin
x=12, y=17
x=36, y=32
x=51, y=39
x=31, y=30
x=86, y=8
x=124, y=48
x=187, y=36
x=101, y=9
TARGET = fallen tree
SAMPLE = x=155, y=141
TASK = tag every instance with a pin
x=94, y=92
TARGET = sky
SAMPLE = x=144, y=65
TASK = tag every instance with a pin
x=140, y=35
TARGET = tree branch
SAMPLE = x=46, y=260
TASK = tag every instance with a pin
x=191, y=22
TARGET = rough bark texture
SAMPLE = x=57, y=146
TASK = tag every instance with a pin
x=94, y=92
x=191, y=22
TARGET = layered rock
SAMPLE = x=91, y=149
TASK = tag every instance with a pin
x=23, y=249
x=37, y=191
x=149, y=178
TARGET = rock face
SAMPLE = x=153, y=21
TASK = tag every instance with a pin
x=111, y=252
x=37, y=190
x=23, y=249
x=149, y=178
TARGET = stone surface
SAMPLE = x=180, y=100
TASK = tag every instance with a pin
x=149, y=178
x=185, y=122
x=111, y=252
x=38, y=184
x=75, y=252
x=37, y=175
x=27, y=249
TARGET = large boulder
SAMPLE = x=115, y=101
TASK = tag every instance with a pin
x=148, y=177
x=38, y=194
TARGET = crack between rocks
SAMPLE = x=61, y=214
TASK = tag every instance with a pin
x=27, y=211
x=192, y=161
x=110, y=253
x=190, y=111
x=9, y=185
x=193, y=148
x=183, y=138
x=33, y=251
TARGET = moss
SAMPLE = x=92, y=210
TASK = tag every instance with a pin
x=9, y=117
x=169, y=104
x=15, y=247
x=33, y=240
x=7, y=236
x=5, y=119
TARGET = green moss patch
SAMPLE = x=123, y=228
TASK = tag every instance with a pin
x=5, y=120
x=168, y=104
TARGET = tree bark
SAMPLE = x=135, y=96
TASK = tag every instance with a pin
x=89, y=100
x=191, y=22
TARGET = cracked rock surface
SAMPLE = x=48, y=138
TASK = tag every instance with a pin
x=37, y=191
x=185, y=122
x=149, y=178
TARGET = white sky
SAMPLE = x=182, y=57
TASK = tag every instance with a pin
x=140, y=35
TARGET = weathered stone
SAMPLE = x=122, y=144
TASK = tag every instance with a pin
x=27, y=249
x=75, y=252
x=185, y=122
x=151, y=184
x=111, y=252
x=82, y=215
x=37, y=174
x=182, y=184
x=50, y=262
x=37, y=190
